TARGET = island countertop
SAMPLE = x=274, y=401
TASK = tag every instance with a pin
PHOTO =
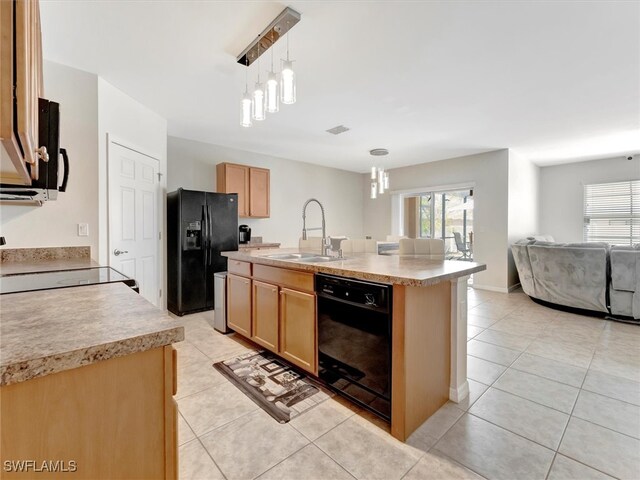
x=411, y=270
x=56, y=330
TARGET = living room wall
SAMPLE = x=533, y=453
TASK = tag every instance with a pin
x=488, y=173
x=562, y=190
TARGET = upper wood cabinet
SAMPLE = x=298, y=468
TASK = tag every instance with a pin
x=21, y=84
x=252, y=184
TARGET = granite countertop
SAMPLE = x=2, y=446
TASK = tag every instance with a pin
x=49, y=265
x=258, y=245
x=411, y=270
x=55, y=330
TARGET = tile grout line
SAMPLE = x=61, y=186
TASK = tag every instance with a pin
x=564, y=431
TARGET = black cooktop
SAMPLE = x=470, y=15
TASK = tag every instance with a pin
x=29, y=282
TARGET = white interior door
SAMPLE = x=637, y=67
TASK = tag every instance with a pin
x=134, y=189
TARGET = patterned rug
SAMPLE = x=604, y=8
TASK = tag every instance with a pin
x=273, y=384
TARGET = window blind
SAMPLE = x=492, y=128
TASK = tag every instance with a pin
x=612, y=212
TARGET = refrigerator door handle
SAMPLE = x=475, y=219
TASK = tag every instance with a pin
x=210, y=234
x=203, y=233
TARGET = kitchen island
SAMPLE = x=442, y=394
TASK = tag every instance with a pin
x=87, y=378
x=429, y=319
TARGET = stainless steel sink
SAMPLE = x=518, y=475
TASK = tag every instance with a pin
x=291, y=256
x=303, y=257
x=320, y=258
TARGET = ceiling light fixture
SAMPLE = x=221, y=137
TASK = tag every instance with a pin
x=245, y=112
x=268, y=99
x=379, y=176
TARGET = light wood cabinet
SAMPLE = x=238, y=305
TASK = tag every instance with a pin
x=115, y=419
x=239, y=304
x=280, y=307
x=265, y=315
x=21, y=84
x=298, y=330
x=252, y=184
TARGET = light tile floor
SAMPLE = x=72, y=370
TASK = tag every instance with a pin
x=552, y=395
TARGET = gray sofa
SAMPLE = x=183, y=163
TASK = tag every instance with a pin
x=586, y=276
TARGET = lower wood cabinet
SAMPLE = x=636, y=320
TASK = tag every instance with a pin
x=265, y=315
x=280, y=319
x=115, y=418
x=298, y=335
x=239, y=304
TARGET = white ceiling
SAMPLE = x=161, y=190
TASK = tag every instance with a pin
x=555, y=81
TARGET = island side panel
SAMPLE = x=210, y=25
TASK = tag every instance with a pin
x=421, y=355
x=459, y=388
x=108, y=417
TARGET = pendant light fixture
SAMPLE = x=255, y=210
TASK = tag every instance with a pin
x=267, y=98
x=258, y=96
x=379, y=176
x=245, y=107
x=273, y=93
x=288, y=80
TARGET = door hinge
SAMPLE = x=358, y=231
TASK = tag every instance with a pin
x=160, y=293
x=159, y=235
x=159, y=177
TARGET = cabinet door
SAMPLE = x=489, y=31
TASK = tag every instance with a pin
x=258, y=192
x=298, y=329
x=239, y=304
x=235, y=179
x=265, y=315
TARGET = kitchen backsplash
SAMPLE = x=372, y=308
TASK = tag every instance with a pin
x=43, y=253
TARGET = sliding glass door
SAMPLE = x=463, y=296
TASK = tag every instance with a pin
x=447, y=215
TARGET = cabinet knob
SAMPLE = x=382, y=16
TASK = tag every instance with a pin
x=42, y=153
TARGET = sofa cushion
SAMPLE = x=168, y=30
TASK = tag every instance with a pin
x=572, y=276
x=543, y=238
x=523, y=265
x=621, y=302
x=624, y=268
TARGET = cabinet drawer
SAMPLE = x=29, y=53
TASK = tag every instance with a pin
x=284, y=277
x=239, y=268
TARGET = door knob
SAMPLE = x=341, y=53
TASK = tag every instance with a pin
x=117, y=252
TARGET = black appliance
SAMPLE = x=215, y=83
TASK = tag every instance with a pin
x=244, y=234
x=354, y=340
x=47, y=186
x=200, y=225
x=30, y=282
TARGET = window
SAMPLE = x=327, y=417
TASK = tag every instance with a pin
x=612, y=213
x=439, y=214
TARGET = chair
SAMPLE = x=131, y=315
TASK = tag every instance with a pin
x=462, y=246
x=431, y=248
x=359, y=245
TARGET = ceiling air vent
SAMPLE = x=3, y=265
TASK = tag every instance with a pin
x=338, y=130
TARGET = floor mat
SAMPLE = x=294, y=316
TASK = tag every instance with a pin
x=273, y=384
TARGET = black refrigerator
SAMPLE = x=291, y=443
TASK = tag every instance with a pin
x=200, y=225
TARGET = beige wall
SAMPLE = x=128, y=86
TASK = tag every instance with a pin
x=488, y=172
x=192, y=165
x=562, y=192
x=55, y=223
x=524, y=203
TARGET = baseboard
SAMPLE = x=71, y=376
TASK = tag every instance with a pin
x=513, y=288
x=490, y=288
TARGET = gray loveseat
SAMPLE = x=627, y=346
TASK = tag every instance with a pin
x=585, y=276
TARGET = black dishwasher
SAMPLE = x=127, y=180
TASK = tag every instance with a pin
x=354, y=340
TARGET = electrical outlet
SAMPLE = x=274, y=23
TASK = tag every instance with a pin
x=83, y=229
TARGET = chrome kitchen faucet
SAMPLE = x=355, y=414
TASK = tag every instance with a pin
x=304, y=224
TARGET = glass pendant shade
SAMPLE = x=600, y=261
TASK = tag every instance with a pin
x=273, y=94
x=374, y=190
x=245, y=113
x=386, y=180
x=374, y=173
x=288, y=83
x=258, y=102
x=380, y=180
